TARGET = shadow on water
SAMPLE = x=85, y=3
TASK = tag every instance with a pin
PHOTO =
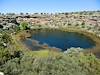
x=32, y=44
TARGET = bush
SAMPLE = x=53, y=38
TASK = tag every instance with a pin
x=4, y=55
x=5, y=39
x=23, y=26
x=78, y=64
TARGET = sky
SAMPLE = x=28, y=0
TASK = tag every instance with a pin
x=48, y=6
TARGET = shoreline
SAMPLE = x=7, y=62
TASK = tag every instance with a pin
x=95, y=50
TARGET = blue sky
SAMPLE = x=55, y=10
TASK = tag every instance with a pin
x=48, y=6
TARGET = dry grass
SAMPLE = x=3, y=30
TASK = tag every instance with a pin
x=95, y=50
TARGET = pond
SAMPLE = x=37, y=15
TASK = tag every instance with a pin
x=60, y=39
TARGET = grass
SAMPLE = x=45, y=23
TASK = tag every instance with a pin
x=18, y=45
x=43, y=53
x=95, y=50
x=21, y=34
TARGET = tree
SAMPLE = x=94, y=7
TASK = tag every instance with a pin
x=21, y=13
x=24, y=26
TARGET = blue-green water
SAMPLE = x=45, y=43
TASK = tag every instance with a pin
x=62, y=40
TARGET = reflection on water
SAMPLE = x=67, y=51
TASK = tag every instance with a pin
x=60, y=39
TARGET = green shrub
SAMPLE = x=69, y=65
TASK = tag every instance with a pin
x=5, y=39
x=78, y=64
x=23, y=26
x=4, y=55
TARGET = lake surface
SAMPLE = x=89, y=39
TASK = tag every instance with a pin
x=61, y=39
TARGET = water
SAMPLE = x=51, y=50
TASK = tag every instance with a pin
x=62, y=40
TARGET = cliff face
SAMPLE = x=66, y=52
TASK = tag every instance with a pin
x=63, y=19
x=85, y=20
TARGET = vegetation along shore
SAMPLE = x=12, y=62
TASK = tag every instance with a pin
x=18, y=59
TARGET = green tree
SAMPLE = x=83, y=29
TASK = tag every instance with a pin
x=24, y=26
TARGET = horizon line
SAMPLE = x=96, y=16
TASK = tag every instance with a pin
x=50, y=12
